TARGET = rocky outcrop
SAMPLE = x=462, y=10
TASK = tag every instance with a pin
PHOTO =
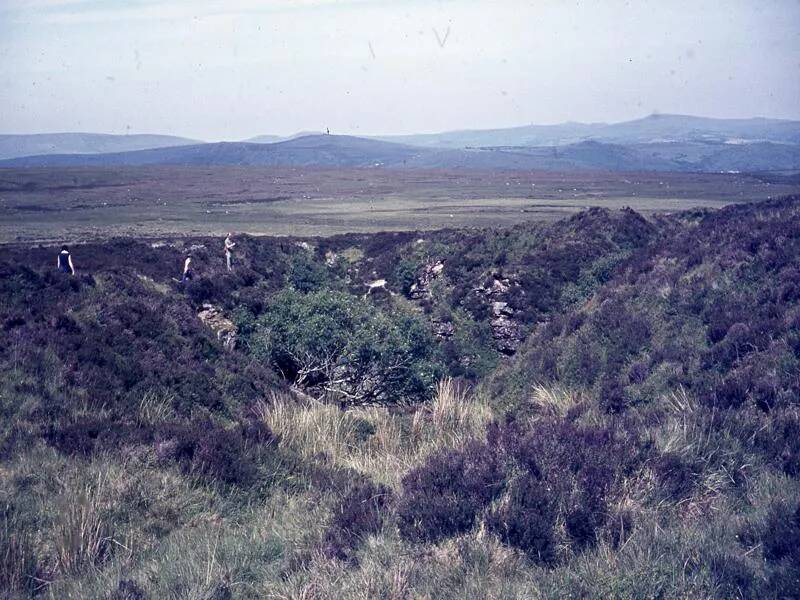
x=420, y=289
x=224, y=328
x=507, y=333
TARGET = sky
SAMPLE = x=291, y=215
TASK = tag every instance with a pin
x=232, y=69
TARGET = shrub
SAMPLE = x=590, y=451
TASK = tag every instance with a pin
x=88, y=434
x=781, y=536
x=557, y=471
x=780, y=441
x=204, y=448
x=582, y=522
x=469, y=353
x=219, y=454
x=732, y=575
x=526, y=520
x=404, y=275
x=358, y=514
x=128, y=589
x=612, y=396
x=568, y=473
x=307, y=275
x=255, y=430
x=330, y=342
x=203, y=289
x=676, y=475
x=442, y=497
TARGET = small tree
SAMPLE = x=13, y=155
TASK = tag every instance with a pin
x=330, y=342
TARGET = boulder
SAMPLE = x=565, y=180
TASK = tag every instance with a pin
x=225, y=330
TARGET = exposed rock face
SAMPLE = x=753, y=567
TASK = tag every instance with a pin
x=506, y=331
x=421, y=288
x=224, y=328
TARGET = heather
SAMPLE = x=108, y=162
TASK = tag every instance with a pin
x=604, y=406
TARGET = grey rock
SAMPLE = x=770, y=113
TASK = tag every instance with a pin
x=225, y=330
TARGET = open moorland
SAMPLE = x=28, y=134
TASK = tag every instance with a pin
x=601, y=406
x=85, y=203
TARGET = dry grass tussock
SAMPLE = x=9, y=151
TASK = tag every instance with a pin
x=83, y=538
x=470, y=566
x=155, y=408
x=372, y=440
x=554, y=400
x=715, y=460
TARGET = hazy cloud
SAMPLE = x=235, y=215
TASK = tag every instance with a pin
x=231, y=69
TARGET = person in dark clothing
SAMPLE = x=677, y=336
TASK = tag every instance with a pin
x=64, y=262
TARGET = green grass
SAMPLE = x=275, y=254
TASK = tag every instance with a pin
x=92, y=523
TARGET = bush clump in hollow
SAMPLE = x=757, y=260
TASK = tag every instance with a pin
x=202, y=447
x=332, y=343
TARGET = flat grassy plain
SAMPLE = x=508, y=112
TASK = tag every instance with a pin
x=86, y=203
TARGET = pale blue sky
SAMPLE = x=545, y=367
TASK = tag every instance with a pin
x=231, y=69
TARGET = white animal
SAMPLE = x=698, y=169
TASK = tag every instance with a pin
x=374, y=286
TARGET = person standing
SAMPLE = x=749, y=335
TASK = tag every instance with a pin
x=187, y=269
x=229, y=245
x=64, y=262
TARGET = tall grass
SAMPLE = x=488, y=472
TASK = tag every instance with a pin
x=701, y=439
x=18, y=565
x=83, y=538
x=155, y=407
x=373, y=440
x=554, y=400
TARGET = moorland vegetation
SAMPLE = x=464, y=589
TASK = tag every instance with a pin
x=604, y=406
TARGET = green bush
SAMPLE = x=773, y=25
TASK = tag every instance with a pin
x=405, y=275
x=331, y=342
x=307, y=275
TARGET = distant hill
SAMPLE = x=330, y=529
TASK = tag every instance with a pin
x=664, y=156
x=655, y=128
x=265, y=139
x=271, y=139
x=12, y=146
x=324, y=150
x=348, y=151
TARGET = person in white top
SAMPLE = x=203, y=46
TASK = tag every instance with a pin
x=187, y=268
x=229, y=244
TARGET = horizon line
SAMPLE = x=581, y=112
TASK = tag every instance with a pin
x=303, y=132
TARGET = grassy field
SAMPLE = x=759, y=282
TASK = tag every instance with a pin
x=78, y=204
